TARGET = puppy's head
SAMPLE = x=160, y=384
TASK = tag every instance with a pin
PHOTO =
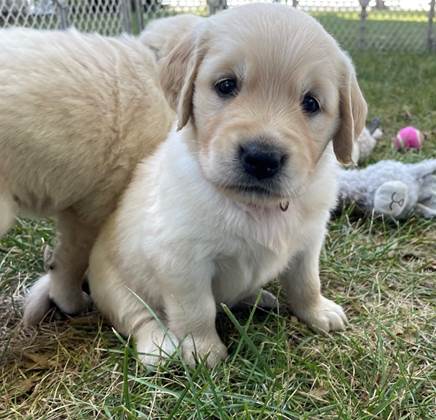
x=265, y=89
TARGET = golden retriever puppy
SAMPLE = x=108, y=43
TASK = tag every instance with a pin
x=161, y=35
x=241, y=192
x=77, y=113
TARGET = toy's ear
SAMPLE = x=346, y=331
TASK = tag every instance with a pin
x=391, y=199
x=178, y=73
x=427, y=196
x=353, y=111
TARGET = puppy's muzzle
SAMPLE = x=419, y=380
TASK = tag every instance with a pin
x=261, y=160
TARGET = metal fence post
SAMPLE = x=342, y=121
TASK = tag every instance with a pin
x=362, y=29
x=139, y=12
x=62, y=12
x=431, y=43
x=216, y=5
x=126, y=16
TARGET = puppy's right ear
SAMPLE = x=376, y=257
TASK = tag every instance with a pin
x=178, y=71
x=353, y=111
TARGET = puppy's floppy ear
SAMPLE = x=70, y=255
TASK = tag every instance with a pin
x=353, y=110
x=178, y=73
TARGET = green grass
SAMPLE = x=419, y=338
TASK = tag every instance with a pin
x=383, y=274
x=384, y=30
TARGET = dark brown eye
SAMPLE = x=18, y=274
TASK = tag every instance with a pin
x=310, y=104
x=226, y=87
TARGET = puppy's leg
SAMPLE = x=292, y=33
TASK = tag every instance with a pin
x=8, y=209
x=128, y=313
x=302, y=285
x=70, y=261
x=191, y=311
x=63, y=283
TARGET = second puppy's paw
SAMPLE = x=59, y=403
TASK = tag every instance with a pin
x=37, y=302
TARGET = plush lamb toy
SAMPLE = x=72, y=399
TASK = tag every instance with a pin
x=391, y=188
x=367, y=140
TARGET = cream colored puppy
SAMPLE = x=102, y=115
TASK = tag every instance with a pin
x=240, y=193
x=77, y=113
x=161, y=35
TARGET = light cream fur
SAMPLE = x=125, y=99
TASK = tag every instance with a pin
x=77, y=113
x=162, y=35
x=187, y=235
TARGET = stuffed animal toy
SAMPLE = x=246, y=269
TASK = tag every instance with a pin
x=367, y=140
x=391, y=188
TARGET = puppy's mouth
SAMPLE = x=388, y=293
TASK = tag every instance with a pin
x=256, y=190
x=256, y=196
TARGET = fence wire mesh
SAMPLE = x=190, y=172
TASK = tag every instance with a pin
x=103, y=16
x=108, y=17
x=401, y=25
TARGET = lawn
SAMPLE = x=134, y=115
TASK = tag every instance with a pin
x=382, y=272
x=383, y=30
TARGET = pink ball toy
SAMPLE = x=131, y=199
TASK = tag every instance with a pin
x=408, y=138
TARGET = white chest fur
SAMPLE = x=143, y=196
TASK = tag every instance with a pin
x=180, y=224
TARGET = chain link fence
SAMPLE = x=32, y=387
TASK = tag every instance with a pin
x=108, y=17
x=399, y=25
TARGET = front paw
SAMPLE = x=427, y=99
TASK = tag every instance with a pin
x=71, y=300
x=208, y=349
x=73, y=303
x=154, y=345
x=325, y=316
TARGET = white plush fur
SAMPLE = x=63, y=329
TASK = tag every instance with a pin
x=182, y=240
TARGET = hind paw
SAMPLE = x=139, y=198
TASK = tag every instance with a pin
x=45, y=291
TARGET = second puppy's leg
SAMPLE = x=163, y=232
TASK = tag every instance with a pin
x=63, y=283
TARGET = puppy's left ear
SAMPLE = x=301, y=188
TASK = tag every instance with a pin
x=353, y=111
x=178, y=73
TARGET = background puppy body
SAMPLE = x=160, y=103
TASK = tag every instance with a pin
x=7, y=211
x=260, y=91
x=162, y=35
x=77, y=112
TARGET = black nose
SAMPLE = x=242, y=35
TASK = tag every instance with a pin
x=261, y=160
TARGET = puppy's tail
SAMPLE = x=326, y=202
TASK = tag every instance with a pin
x=8, y=211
